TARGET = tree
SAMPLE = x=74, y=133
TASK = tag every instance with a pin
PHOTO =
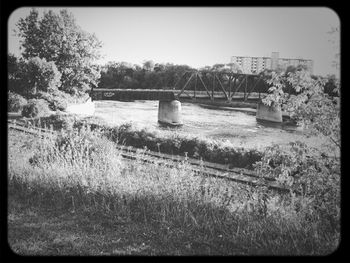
x=235, y=67
x=310, y=106
x=313, y=172
x=217, y=66
x=42, y=75
x=293, y=69
x=15, y=69
x=57, y=38
x=29, y=76
x=117, y=75
x=158, y=67
x=148, y=65
x=124, y=75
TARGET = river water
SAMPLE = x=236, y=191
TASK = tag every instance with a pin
x=233, y=126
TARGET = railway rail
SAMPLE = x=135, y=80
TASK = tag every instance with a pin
x=199, y=167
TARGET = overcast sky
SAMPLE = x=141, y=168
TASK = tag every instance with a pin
x=205, y=36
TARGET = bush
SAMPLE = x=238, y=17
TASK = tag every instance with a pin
x=316, y=176
x=57, y=121
x=15, y=102
x=27, y=77
x=35, y=108
x=55, y=100
x=58, y=104
x=207, y=150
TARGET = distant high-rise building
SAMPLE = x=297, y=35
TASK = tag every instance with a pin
x=274, y=60
x=254, y=65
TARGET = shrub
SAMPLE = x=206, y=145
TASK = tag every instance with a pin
x=15, y=102
x=205, y=149
x=55, y=100
x=58, y=104
x=35, y=108
x=33, y=75
x=57, y=121
x=316, y=176
x=27, y=77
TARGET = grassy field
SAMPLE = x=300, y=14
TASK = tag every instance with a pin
x=75, y=195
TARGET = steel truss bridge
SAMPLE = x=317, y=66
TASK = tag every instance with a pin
x=193, y=85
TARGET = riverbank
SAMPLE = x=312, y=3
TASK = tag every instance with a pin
x=66, y=203
x=234, y=153
x=237, y=128
x=245, y=108
x=169, y=142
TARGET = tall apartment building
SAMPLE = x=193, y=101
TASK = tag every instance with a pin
x=253, y=65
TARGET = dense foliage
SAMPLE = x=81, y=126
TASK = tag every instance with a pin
x=35, y=108
x=311, y=107
x=314, y=174
x=27, y=77
x=56, y=66
x=16, y=71
x=35, y=78
x=57, y=100
x=123, y=75
x=205, y=149
x=15, y=102
x=57, y=38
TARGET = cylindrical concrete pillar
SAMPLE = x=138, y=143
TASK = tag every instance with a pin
x=268, y=113
x=169, y=113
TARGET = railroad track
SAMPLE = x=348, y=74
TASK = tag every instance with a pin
x=199, y=167
x=29, y=129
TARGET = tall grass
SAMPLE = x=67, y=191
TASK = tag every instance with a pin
x=82, y=171
x=174, y=143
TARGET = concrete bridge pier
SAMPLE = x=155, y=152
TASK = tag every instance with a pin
x=169, y=113
x=268, y=113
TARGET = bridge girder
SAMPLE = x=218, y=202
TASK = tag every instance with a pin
x=228, y=83
x=215, y=84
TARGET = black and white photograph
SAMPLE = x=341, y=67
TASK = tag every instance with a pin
x=173, y=131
